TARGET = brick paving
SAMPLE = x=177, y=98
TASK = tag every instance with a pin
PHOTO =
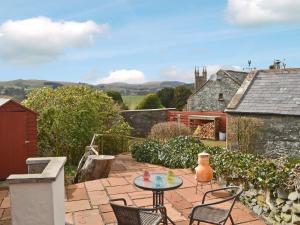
x=88, y=203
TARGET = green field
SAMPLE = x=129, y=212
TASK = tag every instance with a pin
x=214, y=143
x=132, y=100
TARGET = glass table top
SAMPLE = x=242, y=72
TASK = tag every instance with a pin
x=158, y=182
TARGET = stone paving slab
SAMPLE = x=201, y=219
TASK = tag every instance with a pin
x=88, y=203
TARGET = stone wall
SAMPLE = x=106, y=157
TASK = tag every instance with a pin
x=277, y=134
x=142, y=120
x=207, y=98
x=283, y=209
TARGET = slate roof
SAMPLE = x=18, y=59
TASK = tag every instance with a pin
x=268, y=92
x=3, y=101
x=237, y=76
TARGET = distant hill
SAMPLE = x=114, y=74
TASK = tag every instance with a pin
x=18, y=88
x=139, y=89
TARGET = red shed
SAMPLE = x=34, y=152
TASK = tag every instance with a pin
x=18, y=137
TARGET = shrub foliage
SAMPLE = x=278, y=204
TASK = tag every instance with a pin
x=166, y=96
x=116, y=96
x=147, y=151
x=233, y=167
x=247, y=130
x=166, y=130
x=69, y=116
x=181, y=95
x=150, y=101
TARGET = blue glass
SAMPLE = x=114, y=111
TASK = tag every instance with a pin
x=158, y=181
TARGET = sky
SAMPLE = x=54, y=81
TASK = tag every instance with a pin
x=136, y=41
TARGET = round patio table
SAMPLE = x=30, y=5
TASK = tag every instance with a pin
x=158, y=183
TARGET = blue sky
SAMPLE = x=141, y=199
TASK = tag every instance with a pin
x=99, y=41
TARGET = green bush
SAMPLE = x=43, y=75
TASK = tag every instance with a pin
x=181, y=95
x=116, y=96
x=150, y=101
x=167, y=130
x=166, y=96
x=147, y=151
x=181, y=152
x=112, y=144
x=178, y=152
x=233, y=167
x=69, y=116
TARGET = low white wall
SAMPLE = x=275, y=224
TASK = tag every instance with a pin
x=38, y=199
x=58, y=198
x=31, y=204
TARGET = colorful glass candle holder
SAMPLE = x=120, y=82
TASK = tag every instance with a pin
x=170, y=176
x=146, y=175
x=158, y=181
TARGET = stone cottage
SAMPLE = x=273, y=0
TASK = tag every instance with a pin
x=269, y=100
x=215, y=93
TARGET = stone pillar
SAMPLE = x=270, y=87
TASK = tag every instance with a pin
x=38, y=197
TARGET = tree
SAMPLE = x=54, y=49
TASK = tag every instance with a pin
x=116, y=96
x=69, y=116
x=166, y=96
x=181, y=95
x=150, y=101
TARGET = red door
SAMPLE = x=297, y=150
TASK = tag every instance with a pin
x=13, y=153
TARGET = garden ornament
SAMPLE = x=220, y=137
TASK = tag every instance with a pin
x=204, y=172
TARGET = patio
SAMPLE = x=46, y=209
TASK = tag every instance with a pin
x=88, y=203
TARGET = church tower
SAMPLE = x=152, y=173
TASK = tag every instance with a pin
x=200, y=80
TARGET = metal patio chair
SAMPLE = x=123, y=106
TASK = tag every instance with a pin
x=129, y=215
x=210, y=213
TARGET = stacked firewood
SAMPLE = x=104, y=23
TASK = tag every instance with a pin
x=206, y=131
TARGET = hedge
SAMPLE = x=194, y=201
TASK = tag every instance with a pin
x=233, y=167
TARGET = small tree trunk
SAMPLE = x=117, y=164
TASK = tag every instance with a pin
x=95, y=167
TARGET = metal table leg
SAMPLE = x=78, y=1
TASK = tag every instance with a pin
x=158, y=200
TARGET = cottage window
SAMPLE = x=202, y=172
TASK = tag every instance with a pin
x=221, y=98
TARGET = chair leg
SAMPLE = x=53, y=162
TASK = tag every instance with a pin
x=197, y=187
x=231, y=220
x=198, y=223
x=191, y=222
x=165, y=219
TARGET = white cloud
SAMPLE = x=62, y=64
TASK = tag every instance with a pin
x=124, y=76
x=260, y=12
x=39, y=40
x=178, y=74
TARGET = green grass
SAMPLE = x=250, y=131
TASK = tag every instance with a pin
x=132, y=100
x=214, y=143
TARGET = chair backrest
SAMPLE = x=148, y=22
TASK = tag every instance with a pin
x=238, y=191
x=126, y=215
